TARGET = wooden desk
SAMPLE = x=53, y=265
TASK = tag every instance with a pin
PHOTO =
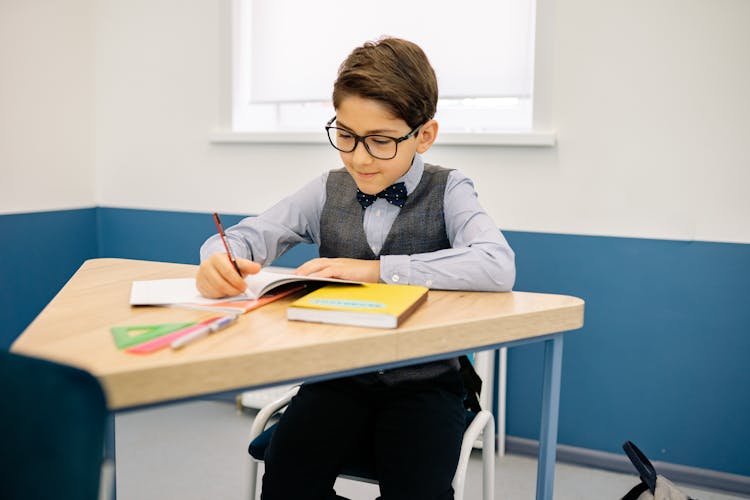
x=264, y=348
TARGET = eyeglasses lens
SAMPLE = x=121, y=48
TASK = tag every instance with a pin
x=381, y=147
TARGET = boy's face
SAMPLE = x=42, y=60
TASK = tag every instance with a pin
x=366, y=116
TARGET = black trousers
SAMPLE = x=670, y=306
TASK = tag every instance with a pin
x=412, y=431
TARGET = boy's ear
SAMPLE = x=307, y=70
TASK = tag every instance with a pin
x=426, y=136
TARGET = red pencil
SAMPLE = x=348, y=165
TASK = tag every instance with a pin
x=220, y=228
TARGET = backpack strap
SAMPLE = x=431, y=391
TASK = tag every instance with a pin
x=636, y=491
x=642, y=465
x=472, y=384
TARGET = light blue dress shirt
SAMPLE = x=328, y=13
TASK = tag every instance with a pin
x=480, y=258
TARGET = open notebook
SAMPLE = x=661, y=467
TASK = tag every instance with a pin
x=183, y=290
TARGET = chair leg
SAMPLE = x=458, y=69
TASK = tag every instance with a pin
x=483, y=422
x=488, y=460
x=107, y=481
x=253, y=486
x=459, y=479
x=458, y=486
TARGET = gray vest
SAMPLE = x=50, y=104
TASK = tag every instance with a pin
x=418, y=228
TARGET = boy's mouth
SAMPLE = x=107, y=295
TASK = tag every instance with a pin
x=366, y=175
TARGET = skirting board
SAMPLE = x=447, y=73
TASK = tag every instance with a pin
x=695, y=476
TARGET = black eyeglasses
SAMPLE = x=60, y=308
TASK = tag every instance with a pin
x=381, y=147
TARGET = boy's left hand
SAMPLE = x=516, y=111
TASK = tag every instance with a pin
x=367, y=271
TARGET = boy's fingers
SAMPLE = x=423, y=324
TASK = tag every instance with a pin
x=224, y=281
x=342, y=268
x=210, y=282
x=248, y=266
x=324, y=272
x=233, y=281
x=311, y=266
x=217, y=277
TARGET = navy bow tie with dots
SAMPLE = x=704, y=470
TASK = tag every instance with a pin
x=394, y=194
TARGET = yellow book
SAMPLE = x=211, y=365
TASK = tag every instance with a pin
x=372, y=304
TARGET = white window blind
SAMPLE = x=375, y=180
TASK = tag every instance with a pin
x=286, y=55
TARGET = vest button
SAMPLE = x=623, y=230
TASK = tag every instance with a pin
x=395, y=278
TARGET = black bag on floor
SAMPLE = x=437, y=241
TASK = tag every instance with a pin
x=652, y=486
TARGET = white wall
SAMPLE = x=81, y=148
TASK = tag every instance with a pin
x=649, y=100
x=158, y=100
x=46, y=105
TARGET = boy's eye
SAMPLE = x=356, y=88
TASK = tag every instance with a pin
x=380, y=141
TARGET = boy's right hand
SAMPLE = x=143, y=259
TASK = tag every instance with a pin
x=217, y=277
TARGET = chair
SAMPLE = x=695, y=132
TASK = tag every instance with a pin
x=53, y=421
x=478, y=426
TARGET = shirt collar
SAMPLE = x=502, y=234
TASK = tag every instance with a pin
x=412, y=176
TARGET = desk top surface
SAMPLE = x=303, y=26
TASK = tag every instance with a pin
x=263, y=347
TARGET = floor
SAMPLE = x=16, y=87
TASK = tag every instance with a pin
x=198, y=450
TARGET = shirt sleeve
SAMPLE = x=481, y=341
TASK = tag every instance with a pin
x=479, y=259
x=295, y=219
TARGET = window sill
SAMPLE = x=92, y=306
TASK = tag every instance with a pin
x=526, y=139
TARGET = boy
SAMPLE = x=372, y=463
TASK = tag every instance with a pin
x=386, y=216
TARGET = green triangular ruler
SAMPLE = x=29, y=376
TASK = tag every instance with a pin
x=128, y=336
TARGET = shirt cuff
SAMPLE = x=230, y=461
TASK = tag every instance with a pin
x=395, y=269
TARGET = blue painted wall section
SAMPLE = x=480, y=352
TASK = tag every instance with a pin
x=170, y=236
x=661, y=359
x=155, y=235
x=40, y=251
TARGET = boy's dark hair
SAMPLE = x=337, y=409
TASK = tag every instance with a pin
x=394, y=72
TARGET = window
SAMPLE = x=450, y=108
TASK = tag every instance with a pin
x=286, y=53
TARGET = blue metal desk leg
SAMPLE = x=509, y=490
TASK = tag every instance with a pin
x=550, y=411
x=110, y=455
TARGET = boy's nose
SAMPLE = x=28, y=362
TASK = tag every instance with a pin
x=360, y=156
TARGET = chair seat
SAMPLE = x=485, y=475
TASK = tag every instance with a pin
x=363, y=468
